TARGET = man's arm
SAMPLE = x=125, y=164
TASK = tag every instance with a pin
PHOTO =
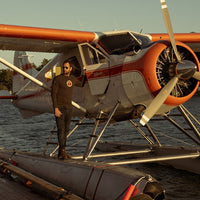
x=80, y=82
x=54, y=92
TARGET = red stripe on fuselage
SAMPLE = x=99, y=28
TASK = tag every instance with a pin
x=96, y=74
x=115, y=70
x=100, y=74
x=32, y=95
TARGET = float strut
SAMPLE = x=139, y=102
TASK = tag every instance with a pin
x=102, y=131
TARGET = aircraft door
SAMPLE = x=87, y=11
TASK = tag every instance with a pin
x=97, y=68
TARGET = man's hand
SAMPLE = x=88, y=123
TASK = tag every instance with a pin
x=84, y=71
x=57, y=112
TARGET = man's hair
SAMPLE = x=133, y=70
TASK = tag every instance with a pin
x=66, y=61
x=69, y=60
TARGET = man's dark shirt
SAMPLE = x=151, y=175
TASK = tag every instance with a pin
x=62, y=89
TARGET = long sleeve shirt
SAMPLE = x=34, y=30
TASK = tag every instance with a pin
x=62, y=89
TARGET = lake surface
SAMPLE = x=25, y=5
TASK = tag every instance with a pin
x=32, y=135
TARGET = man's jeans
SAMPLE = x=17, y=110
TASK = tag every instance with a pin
x=63, y=124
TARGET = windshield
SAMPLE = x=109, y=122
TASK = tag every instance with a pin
x=120, y=43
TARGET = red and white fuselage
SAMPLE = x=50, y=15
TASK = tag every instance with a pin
x=132, y=77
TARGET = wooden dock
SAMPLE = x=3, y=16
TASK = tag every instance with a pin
x=11, y=190
x=18, y=184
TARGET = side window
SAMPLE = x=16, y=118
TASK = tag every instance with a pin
x=91, y=55
x=53, y=72
x=57, y=70
x=102, y=59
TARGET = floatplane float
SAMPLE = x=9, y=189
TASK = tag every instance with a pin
x=72, y=179
x=184, y=156
x=129, y=76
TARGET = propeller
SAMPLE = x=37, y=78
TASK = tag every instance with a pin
x=168, y=24
x=196, y=75
x=169, y=28
x=158, y=100
x=185, y=69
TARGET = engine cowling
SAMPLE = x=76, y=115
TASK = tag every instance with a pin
x=160, y=66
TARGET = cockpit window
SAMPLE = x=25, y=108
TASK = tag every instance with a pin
x=121, y=43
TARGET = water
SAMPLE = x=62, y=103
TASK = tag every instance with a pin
x=32, y=135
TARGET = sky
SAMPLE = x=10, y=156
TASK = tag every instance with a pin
x=101, y=15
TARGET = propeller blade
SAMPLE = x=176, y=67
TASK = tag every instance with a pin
x=169, y=28
x=196, y=75
x=158, y=100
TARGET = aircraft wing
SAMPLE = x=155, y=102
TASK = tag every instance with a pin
x=191, y=39
x=21, y=38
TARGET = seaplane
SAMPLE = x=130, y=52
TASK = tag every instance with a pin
x=129, y=76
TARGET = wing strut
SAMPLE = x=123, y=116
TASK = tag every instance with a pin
x=36, y=81
x=24, y=74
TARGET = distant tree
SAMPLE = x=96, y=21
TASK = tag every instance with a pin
x=33, y=64
x=43, y=63
x=6, y=77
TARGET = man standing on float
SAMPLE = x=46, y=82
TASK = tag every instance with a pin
x=62, y=89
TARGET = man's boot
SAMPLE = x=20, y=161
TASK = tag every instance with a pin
x=63, y=155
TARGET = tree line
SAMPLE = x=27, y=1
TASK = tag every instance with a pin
x=6, y=77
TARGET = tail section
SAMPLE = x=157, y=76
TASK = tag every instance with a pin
x=32, y=99
x=21, y=60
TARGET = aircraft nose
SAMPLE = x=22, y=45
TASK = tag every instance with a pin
x=186, y=69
